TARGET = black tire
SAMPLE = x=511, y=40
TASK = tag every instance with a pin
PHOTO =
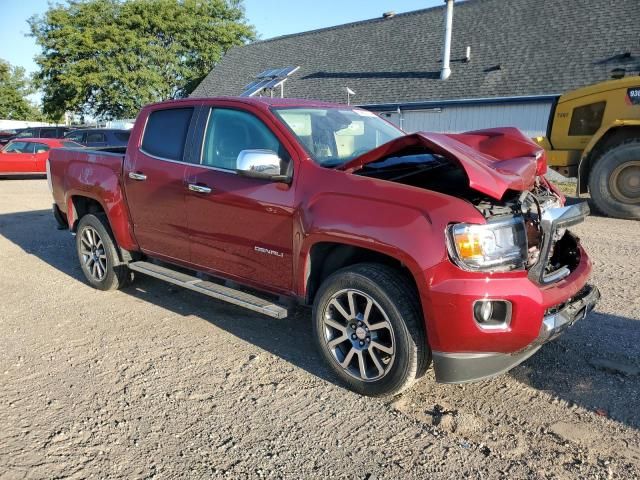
x=104, y=270
x=614, y=192
x=394, y=302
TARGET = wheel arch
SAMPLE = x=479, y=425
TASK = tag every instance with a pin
x=80, y=204
x=324, y=257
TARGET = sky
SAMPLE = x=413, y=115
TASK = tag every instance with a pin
x=270, y=17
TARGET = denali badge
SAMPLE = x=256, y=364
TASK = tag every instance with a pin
x=268, y=251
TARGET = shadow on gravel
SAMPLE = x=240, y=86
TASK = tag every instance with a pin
x=594, y=365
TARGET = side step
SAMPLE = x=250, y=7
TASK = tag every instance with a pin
x=214, y=290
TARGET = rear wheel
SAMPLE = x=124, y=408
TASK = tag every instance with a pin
x=369, y=331
x=614, y=182
x=98, y=254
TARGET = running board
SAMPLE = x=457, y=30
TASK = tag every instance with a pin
x=211, y=289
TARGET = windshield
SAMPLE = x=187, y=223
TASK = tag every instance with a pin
x=334, y=136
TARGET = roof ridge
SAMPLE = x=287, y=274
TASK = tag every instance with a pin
x=355, y=24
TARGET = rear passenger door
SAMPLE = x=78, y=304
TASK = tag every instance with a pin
x=154, y=181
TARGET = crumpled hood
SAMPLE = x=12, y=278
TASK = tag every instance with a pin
x=495, y=160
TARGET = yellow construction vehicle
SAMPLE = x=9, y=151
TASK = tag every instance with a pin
x=594, y=135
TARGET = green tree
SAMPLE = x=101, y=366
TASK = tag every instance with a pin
x=14, y=89
x=108, y=58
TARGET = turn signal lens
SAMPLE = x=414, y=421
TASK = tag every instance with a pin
x=468, y=245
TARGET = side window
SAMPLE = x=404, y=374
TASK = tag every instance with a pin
x=18, y=147
x=29, y=147
x=123, y=136
x=95, y=137
x=40, y=148
x=48, y=133
x=586, y=120
x=26, y=134
x=231, y=131
x=166, y=133
x=75, y=136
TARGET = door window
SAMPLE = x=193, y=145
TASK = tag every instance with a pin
x=122, y=136
x=19, y=147
x=95, y=137
x=26, y=134
x=166, y=133
x=75, y=136
x=231, y=131
x=48, y=133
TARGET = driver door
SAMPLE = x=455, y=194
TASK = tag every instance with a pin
x=239, y=227
x=18, y=157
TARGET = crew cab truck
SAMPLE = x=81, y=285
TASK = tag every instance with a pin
x=449, y=249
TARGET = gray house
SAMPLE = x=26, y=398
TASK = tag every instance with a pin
x=509, y=61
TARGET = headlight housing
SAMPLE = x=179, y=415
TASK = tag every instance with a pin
x=498, y=246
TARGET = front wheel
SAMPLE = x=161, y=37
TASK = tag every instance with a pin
x=98, y=254
x=368, y=327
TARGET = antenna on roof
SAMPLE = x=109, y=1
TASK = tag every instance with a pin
x=349, y=93
x=269, y=80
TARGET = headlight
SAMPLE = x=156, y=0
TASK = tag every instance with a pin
x=497, y=246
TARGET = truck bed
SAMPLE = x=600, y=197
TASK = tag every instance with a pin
x=93, y=173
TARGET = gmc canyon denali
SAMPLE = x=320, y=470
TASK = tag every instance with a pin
x=412, y=249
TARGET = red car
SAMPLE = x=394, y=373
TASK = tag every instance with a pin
x=451, y=248
x=28, y=156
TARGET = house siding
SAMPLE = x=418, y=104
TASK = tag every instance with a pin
x=531, y=118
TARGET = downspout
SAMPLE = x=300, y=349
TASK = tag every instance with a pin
x=446, y=55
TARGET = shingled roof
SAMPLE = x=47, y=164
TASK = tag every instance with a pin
x=518, y=48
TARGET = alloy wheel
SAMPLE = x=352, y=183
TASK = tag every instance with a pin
x=358, y=334
x=94, y=256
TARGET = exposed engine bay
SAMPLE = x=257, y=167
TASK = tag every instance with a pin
x=437, y=173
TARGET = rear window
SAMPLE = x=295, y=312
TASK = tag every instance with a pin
x=166, y=133
x=586, y=120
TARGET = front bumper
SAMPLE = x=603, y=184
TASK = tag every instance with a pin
x=470, y=367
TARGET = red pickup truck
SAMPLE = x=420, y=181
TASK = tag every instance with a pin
x=411, y=249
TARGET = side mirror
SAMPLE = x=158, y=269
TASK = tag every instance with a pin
x=263, y=164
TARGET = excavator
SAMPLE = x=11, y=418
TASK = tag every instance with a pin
x=594, y=134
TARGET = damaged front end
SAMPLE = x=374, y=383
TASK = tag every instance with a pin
x=500, y=172
x=550, y=251
x=532, y=273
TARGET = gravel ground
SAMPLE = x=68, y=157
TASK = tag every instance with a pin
x=155, y=381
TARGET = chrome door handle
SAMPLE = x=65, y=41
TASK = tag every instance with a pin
x=199, y=188
x=137, y=176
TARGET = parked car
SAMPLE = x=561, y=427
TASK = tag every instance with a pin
x=6, y=135
x=100, y=137
x=42, y=132
x=410, y=248
x=28, y=156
